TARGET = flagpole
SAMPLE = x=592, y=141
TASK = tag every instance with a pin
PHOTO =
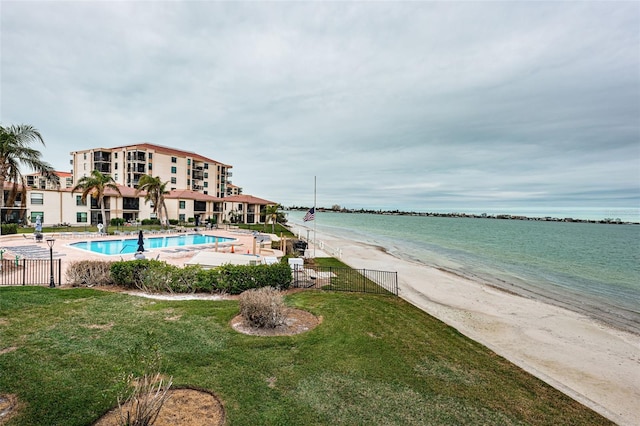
x=315, y=221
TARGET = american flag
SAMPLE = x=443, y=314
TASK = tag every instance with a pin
x=311, y=215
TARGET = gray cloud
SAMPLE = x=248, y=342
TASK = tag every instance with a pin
x=416, y=105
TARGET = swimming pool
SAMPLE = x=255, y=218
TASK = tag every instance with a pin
x=128, y=246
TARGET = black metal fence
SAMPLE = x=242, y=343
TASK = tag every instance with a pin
x=346, y=279
x=30, y=271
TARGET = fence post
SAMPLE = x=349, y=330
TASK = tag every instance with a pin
x=24, y=271
x=59, y=272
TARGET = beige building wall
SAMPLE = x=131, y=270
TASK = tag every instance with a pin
x=182, y=169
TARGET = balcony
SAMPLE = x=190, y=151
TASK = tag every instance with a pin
x=197, y=175
x=130, y=204
x=196, y=187
x=94, y=204
x=102, y=167
x=101, y=156
x=137, y=156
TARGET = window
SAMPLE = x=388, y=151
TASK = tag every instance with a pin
x=174, y=169
x=173, y=188
x=181, y=217
x=206, y=175
x=150, y=166
x=37, y=198
x=174, y=160
x=206, y=184
x=81, y=217
x=182, y=204
x=85, y=155
x=150, y=156
x=188, y=161
x=173, y=180
x=188, y=182
x=115, y=155
x=206, y=165
x=206, y=192
x=115, y=166
x=188, y=172
x=34, y=217
x=79, y=201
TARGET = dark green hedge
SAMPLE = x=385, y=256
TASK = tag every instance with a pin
x=158, y=276
x=9, y=228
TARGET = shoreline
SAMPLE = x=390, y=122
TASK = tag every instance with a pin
x=594, y=363
x=580, y=304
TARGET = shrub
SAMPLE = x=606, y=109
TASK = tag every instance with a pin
x=132, y=273
x=158, y=276
x=263, y=307
x=235, y=279
x=185, y=280
x=116, y=221
x=9, y=228
x=173, y=221
x=89, y=273
x=151, y=221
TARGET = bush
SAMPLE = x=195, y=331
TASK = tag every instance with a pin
x=235, y=279
x=151, y=221
x=158, y=276
x=116, y=221
x=9, y=228
x=132, y=273
x=173, y=221
x=263, y=307
x=89, y=273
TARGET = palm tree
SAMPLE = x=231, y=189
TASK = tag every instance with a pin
x=95, y=186
x=272, y=215
x=15, y=150
x=155, y=191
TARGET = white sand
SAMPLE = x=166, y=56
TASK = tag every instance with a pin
x=597, y=365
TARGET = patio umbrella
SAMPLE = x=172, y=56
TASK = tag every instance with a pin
x=38, y=224
x=140, y=242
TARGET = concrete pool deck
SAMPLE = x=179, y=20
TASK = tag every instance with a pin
x=25, y=246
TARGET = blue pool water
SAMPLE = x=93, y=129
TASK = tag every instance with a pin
x=128, y=246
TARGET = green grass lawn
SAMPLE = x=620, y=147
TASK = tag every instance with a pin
x=374, y=360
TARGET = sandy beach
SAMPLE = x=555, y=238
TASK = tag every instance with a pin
x=595, y=364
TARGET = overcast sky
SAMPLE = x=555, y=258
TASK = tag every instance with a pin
x=414, y=105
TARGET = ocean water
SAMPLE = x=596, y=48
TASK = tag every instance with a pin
x=590, y=268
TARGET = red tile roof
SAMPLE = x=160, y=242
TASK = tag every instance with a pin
x=249, y=199
x=188, y=194
x=170, y=151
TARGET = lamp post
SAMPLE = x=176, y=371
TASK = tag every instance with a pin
x=50, y=242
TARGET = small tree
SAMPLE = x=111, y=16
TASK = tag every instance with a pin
x=272, y=213
x=95, y=185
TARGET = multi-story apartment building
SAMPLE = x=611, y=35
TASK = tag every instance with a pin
x=200, y=189
x=182, y=169
x=37, y=181
x=233, y=190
